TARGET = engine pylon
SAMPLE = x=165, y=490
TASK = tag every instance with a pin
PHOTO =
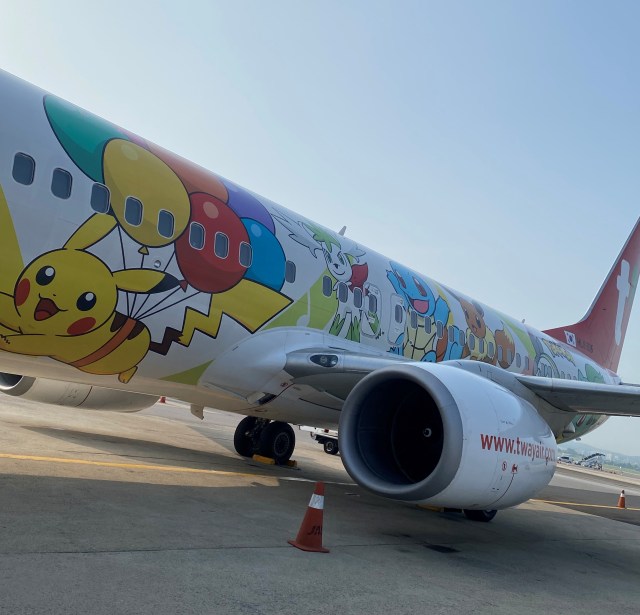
x=309, y=536
x=622, y=503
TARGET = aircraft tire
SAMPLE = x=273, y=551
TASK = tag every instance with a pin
x=244, y=443
x=277, y=441
x=330, y=447
x=480, y=515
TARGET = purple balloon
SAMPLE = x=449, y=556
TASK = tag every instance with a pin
x=248, y=206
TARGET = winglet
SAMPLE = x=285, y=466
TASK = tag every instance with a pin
x=600, y=334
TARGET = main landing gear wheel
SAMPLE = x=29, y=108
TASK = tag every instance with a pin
x=480, y=515
x=273, y=439
x=244, y=438
x=331, y=447
x=277, y=441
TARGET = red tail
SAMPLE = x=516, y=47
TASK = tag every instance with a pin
x=600, y=334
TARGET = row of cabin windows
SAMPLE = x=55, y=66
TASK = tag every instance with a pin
x=343, y=294
x=24, y=170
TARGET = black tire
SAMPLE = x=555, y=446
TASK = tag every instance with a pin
x=331, y=447
x=243, y=442
x=480, y=515
x=277, y=441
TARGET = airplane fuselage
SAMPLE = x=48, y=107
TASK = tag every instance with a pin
x=125, y=266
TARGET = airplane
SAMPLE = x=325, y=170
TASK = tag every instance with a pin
x=127, y=272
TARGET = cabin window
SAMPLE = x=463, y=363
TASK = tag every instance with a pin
x=290, y=272
x=327, y=286
x=246, y=254
x=500, y=351
x=480, y=345
x=133, y=211
x=373, y=304
x=414, y=319
x=509, y=356
x=427, y=325
x=461, y=337
x=196, y=236
x=526, y=362
x=472, y=341
x=61, y=183
x=399, y=311
x=100, y=199
x=452, y=333
x=357, y=297
x=221, y=245
x=165, y=223
x=24, y=169
x=490, y=350
x=518, y=359
x=562, y=375
x=343, y=292
x=439, y=329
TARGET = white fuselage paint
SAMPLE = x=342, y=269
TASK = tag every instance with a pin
x=236, y=367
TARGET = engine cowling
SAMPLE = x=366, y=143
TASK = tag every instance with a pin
x=440, y=435
x=73, y=395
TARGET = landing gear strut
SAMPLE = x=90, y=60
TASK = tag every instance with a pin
x=273, y=439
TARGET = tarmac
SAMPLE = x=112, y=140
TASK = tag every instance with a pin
x=155, y=513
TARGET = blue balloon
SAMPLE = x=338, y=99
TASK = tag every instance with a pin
x=248, y=206
x=268, y=263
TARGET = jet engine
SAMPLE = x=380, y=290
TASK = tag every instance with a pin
x=440, y=435
x=73, y=395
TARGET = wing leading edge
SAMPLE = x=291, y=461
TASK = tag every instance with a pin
x=336, y=372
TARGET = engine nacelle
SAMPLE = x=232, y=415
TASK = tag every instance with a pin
x=437, y=434
x=73, y=395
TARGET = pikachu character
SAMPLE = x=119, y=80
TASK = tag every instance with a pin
x=63, y=304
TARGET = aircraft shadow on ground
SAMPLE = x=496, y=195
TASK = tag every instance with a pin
x=143, y=451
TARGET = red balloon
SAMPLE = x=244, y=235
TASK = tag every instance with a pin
x=196, y=247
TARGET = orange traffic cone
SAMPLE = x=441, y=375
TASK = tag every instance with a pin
x=622, y=500
x=309, y=536
x=162, y=400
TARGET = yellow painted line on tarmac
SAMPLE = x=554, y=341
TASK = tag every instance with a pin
x=579, y=504
x=161, y=468
x=132, y=466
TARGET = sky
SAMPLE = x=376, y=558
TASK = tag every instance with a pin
x=493, y=146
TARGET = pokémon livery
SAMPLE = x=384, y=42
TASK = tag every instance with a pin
x=127, y=272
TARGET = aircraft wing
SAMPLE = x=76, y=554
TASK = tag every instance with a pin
x=586, y=397
x=335, y=372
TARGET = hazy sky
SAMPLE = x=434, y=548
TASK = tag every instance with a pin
x=494, y=146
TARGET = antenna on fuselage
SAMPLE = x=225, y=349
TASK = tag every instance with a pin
x=342, y=230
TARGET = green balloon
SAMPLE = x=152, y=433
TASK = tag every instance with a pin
x=82, y=134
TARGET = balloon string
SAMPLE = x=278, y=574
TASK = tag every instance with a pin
x=135, y=296
x=150, y=312
x=149, y=296
x=139, y=315
x=124, y=266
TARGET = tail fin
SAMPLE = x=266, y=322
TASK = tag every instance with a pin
x=600, y=334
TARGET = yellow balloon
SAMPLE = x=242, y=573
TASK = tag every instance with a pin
x=148, y=199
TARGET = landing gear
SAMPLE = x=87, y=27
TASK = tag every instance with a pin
x=245, y=436
x=480, y=515
x=277, y=441
x=273, y=439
